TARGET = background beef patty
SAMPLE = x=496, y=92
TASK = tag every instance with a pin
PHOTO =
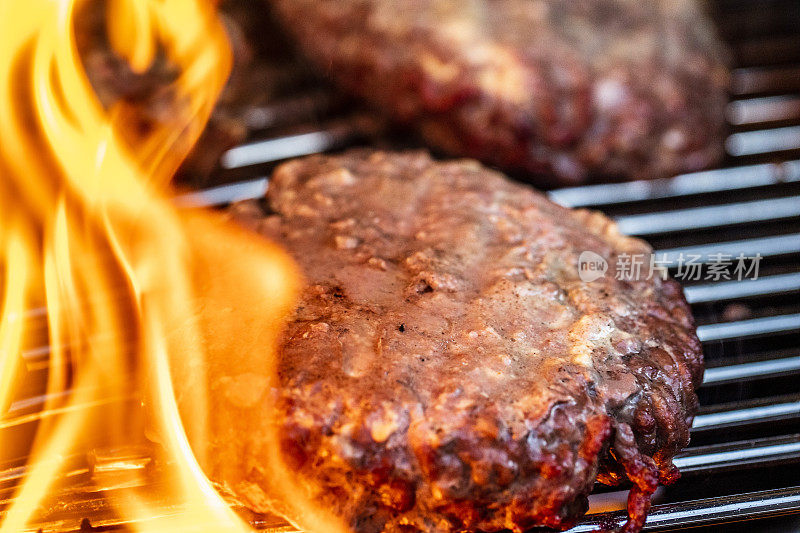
x=570, y=90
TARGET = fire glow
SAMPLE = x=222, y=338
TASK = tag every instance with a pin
x=128, y=287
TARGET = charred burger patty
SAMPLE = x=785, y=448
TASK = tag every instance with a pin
x=571, y=90
x=446, y=368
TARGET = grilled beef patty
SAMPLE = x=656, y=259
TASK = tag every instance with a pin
x=446, y=368
x=570, y=90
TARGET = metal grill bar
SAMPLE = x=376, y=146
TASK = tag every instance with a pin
x=746, y=506
x=764, y=246
x=729, y=455
x=710, y=181
x=749, y=328
x=763, y=141
x=282, y=148
x=709, y=217
x=224, y=194
x=752, y=415
x=729, y=290
x=765, y=109
x=757, y=369
x=335, y=134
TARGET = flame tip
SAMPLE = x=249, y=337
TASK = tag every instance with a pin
x=91, y=233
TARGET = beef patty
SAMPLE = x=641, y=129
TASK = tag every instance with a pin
x=446, y=368
x=570, y=90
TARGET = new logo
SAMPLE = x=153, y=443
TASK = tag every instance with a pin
x=591, y=266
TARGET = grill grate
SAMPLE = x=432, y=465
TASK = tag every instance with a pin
x=744, y=460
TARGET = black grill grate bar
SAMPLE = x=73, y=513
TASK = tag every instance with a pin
x=745, y=506
x=763, y=141
x=763, y=246
x=271, y=150
x=710, y=216
x=702, y=459
x=748, y=416
x=729, y=290
x=763, y=109
x=224, y=194
x=335, y=134
x=709, y=181
x=748, y=328
x=756, y=369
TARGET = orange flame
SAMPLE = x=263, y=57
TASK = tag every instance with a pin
x=134, y=289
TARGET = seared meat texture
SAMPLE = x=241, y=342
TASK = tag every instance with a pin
x=446, y=368
x=569, y=90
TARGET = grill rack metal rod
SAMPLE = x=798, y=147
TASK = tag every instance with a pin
x=763, y=246
x=730, y=455
x=729, y=290
x=281, y=148
x=757, y=369
x=707, y=181
x=748, y=328
x=333, y=135
x=745, y=506
x=709, y=216
x=763, y=109
x=746, y=416
x=224, y=194
x=763, y=141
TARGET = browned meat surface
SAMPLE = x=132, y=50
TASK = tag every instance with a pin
x=570, y=90
x=446, y=368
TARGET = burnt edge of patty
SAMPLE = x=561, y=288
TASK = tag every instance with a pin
x=454, y=468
